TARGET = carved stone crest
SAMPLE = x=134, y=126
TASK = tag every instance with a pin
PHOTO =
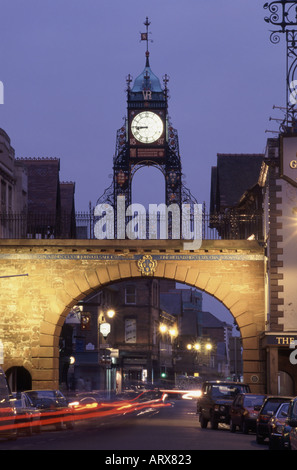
x=147, y=265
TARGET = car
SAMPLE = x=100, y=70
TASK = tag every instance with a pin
x=27, y=417
x=215, y=401
x=290, y=430
x=52, y=406
x=7, y=410
x=285, y=441
x=244, y=411
x=268, y=409
x=276, y=426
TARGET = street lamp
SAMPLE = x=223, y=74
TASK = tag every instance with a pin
x=110, y=313
x=167, y=331
x=173, y=332
x=104, y=330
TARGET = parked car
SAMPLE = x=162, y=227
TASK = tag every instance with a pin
x=215, y=401
x=27, y=417
x=268, y=409
x=52, y=406
x=244, y=412
x=290, y=430
x=276, y=426
x=7, y=410
x=286, y=444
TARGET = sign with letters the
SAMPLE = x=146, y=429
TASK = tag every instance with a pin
x=288, y=160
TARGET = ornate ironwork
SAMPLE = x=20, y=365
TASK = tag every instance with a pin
x=225, y=226
x=283, y=14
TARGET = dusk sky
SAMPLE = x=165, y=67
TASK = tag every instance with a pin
x=64, y=65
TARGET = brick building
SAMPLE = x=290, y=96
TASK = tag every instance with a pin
x=134, y=351
x=148, y=339
x=51, y=207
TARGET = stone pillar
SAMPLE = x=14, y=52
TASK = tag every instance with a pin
x=272, y=371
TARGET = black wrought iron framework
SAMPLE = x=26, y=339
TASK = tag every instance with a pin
x=283, y=14
x=228, y=226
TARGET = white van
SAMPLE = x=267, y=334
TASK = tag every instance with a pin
x=7, y=410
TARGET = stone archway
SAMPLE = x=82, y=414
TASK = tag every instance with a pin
x=19, y=379
x=58, y=273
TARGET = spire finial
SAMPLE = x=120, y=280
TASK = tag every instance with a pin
x=145, y=37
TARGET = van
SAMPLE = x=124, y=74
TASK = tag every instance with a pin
x=7, y=410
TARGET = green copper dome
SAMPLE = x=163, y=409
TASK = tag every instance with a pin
x=147, y=80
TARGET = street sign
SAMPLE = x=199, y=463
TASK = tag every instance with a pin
x=288, y=160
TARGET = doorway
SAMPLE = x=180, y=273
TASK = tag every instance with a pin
x=19, y=379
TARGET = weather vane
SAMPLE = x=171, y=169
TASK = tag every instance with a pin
x=283, y=14
x=145, y=36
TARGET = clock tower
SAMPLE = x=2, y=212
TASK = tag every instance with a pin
x=147, y=138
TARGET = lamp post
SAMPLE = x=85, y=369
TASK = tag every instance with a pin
x=201, y=349
x=104, y=329
x=170, y=331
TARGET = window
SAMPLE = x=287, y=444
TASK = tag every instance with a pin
x=130, y=295
x=3, y=196
x=155, y=329
x=155, y=294
x=10, y=198
x=130, y=330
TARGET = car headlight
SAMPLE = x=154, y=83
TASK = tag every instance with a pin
x=220, y=408
x=279, y=428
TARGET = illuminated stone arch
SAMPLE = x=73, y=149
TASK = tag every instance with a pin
x=61, y=273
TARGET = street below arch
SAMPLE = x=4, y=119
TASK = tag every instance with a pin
x=173, y=430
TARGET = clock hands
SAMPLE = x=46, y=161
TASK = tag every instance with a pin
x=146, y=127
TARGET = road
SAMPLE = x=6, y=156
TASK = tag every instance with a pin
x=174, y=428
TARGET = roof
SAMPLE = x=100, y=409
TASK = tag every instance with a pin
x=147, y=80
x=233, y=175
x=210, y=321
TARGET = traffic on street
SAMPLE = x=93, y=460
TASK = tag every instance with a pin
x=219, y=416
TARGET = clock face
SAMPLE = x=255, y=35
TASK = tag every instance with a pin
x=147, y=127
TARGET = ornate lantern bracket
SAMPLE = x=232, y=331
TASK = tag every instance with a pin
x=283, y=14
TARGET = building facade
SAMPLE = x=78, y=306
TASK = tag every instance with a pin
x=266, y=185
x=151, y=338
x=14, y=188
x=279, y=176
x=132, y=347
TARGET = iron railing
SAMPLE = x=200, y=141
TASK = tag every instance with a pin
x=81, y=226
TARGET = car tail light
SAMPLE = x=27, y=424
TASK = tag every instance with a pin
x=264, y=418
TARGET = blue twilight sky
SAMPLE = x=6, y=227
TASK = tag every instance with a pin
x=64, y=65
